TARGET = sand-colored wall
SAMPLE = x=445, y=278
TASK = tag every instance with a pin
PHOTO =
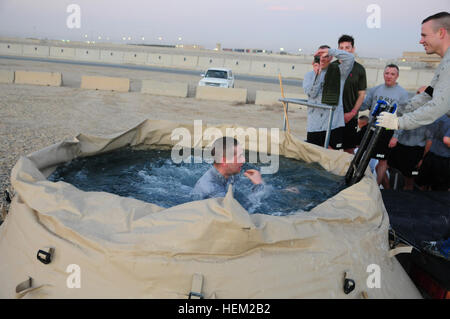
x=112, y=56
x=208, y=62
x=6, y=76
x=272, y=98
x=87, y=54
x=258, y=65
x=62, y=52
x=105, y=83
x=221, y=94
x=176, y=89
x=11, y=49
x=38, y=78
x=36, y=50
x=159, y=59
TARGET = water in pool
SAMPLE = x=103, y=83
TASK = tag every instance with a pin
x=151, y=176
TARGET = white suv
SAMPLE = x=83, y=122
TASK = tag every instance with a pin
x=218, y=77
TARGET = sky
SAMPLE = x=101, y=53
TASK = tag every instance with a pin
x=381, y=28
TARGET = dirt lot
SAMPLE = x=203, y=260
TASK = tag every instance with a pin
x=33, y=117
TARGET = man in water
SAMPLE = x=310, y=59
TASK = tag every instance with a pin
x=430, y=105
x=228, y=160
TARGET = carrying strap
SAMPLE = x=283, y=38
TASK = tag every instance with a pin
x=349, y=284
x=429, y=91
x=26, y=287
x=196, y=288
x=400, y=249
x=3, y=213
x=45, y=255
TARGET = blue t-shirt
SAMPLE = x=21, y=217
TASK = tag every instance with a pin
x=437, y=131
x=213, y=184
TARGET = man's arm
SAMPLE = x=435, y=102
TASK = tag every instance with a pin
x=447, y=141
x=362, y=87
x=427, y=149
x=348, y=116
x=311, y=86
x=367, y=103
x=424, y=114
x=347, y=60
x=447, y=138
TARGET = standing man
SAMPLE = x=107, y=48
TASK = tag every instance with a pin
x=353, y=95
x=324, y=85
x=435, y=169
x=392, y=93
x=430, y=105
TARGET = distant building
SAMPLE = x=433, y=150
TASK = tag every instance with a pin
x=420, y=57
x=190, y=46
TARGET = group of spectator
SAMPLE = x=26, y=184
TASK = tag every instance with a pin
x=418, y=142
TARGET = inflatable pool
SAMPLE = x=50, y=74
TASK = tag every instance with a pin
x=58, y=241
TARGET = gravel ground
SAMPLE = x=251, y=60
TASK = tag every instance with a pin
x=33, y=117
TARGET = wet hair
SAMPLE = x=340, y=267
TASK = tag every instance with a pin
x=220, y=147
x=347, y=38
x=364, y=118
x=441, y=20
x=392, y=66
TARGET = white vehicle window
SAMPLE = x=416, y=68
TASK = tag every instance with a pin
x=231, y=74
x=216, y=74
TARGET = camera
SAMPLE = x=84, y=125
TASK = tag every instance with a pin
x=317, y=59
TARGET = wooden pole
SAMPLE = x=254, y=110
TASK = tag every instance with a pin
x=284, y=104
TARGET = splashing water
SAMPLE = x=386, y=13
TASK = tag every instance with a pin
x=151, y=176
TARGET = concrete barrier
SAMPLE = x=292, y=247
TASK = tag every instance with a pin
x=269, y=98
x=238, y=66
x=61, y=52
x=408, y=79
x=372, y=77
x=88, y=54
x=111, y=56
x=176, y=89
x=264, y=68
x=159, y=59
x=293, y=70
x=221, y=94
x=205, y=63
x=296, y=71
x=185, y=61
x=38, y=78
x=424, y=78
x=135, y=57
x=6, y=76
x=105, y=83
x=10, y=49
x=36, y=50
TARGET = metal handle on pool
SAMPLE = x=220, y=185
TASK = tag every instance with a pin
x=331, y=108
